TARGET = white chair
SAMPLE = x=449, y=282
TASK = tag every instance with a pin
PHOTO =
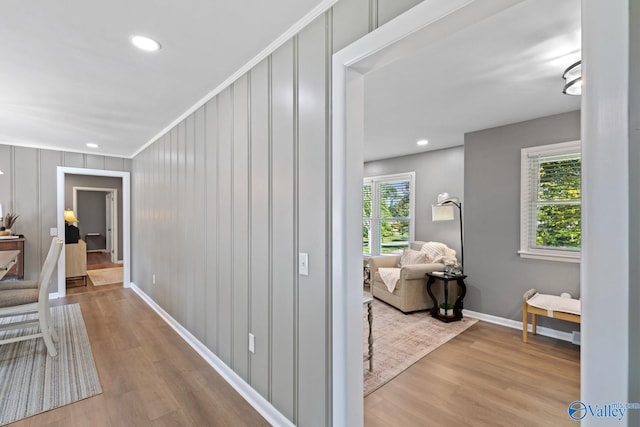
x=24, y=297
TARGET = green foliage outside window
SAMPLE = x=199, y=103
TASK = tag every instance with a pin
x=394, y=201
x=558, y=204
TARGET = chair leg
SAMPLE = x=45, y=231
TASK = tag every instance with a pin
x=45, y=329
x=54, y=334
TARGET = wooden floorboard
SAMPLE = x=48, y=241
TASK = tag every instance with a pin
x=149, y=375
x=485, y=376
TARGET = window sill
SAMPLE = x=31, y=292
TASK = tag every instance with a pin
x=551, y=256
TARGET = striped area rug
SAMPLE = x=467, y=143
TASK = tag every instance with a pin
x=31, y=382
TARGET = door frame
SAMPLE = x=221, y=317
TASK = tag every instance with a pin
x=114, y=218
x=61, y=173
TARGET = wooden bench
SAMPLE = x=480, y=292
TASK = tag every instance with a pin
x=549, y=306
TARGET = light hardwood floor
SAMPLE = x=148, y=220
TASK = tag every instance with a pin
x=149, y=375
x=485, y=376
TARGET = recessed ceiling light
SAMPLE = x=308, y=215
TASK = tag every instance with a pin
x=423, y=142
x=92, y=145
x=145, y=43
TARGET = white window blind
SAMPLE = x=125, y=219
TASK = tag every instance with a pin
x=550, y=226
x=388, y=207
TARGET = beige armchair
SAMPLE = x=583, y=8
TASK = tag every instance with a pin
x=410, y=293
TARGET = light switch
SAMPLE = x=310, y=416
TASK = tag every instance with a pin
x=53, y=232
x=303, y=264
x=252, y=343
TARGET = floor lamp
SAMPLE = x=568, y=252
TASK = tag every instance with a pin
x=443, y=211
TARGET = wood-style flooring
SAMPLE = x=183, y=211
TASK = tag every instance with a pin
x=95, y=261
x=149, y=375
x=485, y=376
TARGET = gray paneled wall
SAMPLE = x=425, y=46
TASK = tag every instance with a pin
x=436, y=172
x=223, y=203
x=498, y=277
x=28, y=188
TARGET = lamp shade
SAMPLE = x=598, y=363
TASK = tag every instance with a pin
x=69, y=216
x=441, y=213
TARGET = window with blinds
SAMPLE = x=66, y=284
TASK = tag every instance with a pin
x=387, y=216
x=550, y=215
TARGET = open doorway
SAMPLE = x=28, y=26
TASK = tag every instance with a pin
x=104, y=184
x=99, y=209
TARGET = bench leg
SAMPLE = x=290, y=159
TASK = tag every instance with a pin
x=534, y=323
x=525, y=322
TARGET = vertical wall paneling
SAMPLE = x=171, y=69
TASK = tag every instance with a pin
x=260, y=244
x=349, y=22
x=226, y=200
x=49, y=162
x=198, y=229
x=211, y=225
x=189, y=211
x=74, y=160
x=95, y=162
x=115, y=163
x=27, y=192
x=6, y=186
x=312, y=218
x=389, y=9
x=225, y=224
x=282, y=359
x=240, y=227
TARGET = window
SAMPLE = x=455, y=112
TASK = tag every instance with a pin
x=550, y=202
x=387, y=213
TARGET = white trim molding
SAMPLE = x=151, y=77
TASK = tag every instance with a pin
x=259, y=403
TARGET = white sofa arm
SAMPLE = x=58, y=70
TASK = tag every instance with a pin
x=419, y=271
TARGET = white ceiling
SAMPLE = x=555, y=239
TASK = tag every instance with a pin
x=504, y=69
x=69, y=75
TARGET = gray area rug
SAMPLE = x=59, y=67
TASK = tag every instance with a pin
x=31, y=382
x=400, y=340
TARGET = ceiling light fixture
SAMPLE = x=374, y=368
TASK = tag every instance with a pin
x=423, y=142
x=573, y=79
x=145, y=43
x=92, y=145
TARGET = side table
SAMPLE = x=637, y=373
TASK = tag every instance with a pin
x=366, y=299
x=457, y=305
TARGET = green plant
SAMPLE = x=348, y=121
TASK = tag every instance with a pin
x=446, y=306
x=9, y=219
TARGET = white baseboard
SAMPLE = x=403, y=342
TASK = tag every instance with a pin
x=540, y=330
x=259, y=403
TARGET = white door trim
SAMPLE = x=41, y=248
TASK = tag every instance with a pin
x=62, y=171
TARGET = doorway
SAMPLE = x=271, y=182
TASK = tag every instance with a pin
x=63, y=174
x=99, y=209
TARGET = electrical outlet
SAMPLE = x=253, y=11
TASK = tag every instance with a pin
x=303, y=264
x=153, y=279
x=252, y=343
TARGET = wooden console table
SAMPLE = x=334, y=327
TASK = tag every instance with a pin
x=15, y=244
x=76, y=262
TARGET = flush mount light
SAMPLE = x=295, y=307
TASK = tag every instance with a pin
x=145, y=43
x=92, y=145
x=423, y=142
x=573, y=79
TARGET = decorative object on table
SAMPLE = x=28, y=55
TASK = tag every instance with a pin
x=71, y=232
x=401, y=340
x=8, y=220
x=443, y=211
x=455, y=311
x=43, y=382
x=573, y=79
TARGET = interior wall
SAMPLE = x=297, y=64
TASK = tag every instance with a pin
x=92, y=208
x=497, y=275
x=28, y=188
x=436, y=172
x=71, y=181
x=223, y=203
